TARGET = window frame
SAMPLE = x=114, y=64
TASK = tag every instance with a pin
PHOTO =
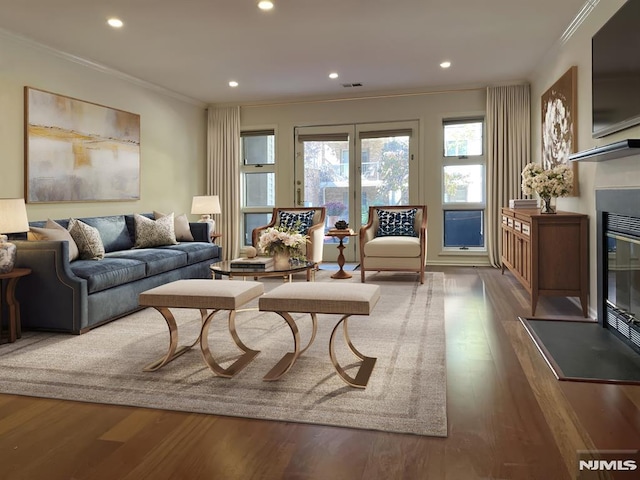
x=462, y=160
x=248, y=169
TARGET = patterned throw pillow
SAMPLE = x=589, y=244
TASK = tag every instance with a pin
x=396, y=223
x=301, y=222
x=180, y=226
x=154, y=233
x=87, y=239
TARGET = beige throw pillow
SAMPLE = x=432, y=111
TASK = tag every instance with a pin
x=154, y=233
x=54, y=231
x=88, y=239
x=180, y=226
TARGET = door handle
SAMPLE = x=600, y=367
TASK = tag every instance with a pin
x=299, y=192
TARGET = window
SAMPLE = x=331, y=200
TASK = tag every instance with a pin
x=258, y=179
x=463, y=184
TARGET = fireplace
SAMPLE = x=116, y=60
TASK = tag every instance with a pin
x=618, y=270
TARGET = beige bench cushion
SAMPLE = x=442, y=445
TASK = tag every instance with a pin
x=333, y=297
x=393, y=247
x=202, y=293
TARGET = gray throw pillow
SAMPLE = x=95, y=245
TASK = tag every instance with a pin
x=88, y=239
x=180, y=226
x=54, y=231
x=154, y=233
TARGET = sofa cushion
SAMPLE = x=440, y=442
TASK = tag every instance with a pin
x=88, y=239
x=108, y=273
x=113, y=232
x=55, y=231
x=180, y=226
x=196, y=251
x=299, y=221
x=397, y=246
x=154, y=233
x=396, y=223
x=156, y=260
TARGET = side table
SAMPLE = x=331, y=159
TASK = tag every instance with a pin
x=215, y=236
x=8, y=301
x=341, y=235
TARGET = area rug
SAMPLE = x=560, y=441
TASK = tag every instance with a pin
x=406, y=392
x=584, y=351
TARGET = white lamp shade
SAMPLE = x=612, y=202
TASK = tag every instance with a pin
x=204, y=205
x=13, y=216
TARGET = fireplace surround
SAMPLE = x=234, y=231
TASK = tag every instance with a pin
x=618, y=267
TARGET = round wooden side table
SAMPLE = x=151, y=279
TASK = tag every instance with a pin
x=341, y=235
x=9, y=299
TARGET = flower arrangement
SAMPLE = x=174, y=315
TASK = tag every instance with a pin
x=335, y=208
x=555, y=182
x=275, y=240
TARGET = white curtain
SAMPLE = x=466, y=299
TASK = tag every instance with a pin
x=508, y=151
x=223, y=174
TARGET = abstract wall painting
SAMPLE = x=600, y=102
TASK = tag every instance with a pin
x=560, y=123
x=77, y=151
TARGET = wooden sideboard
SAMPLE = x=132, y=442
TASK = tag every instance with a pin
x=547, y=253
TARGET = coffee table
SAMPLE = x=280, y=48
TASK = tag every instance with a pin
x=224, y=268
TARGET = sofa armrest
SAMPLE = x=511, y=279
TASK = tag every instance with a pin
x=52, y=297
x=201, y=231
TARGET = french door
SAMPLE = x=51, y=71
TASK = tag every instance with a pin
x=347, y=168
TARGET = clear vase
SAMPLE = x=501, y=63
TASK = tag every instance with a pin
x=281, y=261
x=545, y=205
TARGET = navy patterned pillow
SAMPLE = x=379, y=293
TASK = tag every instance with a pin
x=301, y=222
x=396, y=223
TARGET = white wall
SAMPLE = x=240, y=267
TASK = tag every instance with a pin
x=618, y=173
x=428, y=109
x=173, y=130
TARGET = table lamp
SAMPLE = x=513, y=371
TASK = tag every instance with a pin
x=206, y=206
x=13, y=219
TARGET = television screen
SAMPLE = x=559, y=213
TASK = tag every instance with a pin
x=616, y=72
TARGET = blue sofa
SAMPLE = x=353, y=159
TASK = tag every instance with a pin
x=75, y=296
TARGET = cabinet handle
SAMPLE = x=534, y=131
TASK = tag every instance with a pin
x=299, y=192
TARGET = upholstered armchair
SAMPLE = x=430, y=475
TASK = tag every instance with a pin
x=314, y=222
x=394, y=239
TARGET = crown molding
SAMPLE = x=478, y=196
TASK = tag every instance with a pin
x=582, y=15
x=30, y=43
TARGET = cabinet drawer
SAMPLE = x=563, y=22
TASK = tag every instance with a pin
x=517, y=226
x=510, y=222
x=526, y=230
x=504, y=219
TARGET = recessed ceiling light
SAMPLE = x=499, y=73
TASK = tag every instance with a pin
x=333, y=75
x=233, y=83
x=446, y=64
x=115, y=22
x=265, y=5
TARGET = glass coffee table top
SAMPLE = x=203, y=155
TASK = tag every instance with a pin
x=224, y=268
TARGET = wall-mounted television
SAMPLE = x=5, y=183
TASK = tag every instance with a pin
x=615, y=72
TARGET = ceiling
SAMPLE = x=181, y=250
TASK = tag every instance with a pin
x=195, y=47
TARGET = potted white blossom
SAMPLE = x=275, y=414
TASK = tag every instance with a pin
x=283, y=244
x=548, y=184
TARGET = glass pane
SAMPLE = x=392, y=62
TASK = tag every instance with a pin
x=463, y=183
x=326, y=178
x=258, y=150
x=254, y=220
x=463, y=139
x=463, y=228
x=385, y=172
x=259, y=189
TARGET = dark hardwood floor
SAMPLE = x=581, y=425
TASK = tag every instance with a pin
x=509, y=418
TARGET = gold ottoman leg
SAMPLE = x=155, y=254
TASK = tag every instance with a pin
x=240, y=363
x=173, y=352
x=287, y=361
x=366, y=367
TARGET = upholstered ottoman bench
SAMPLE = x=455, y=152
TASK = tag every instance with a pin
x=204, y=295
x=326, y=298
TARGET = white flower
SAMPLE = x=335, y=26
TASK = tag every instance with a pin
x=555, y=182
x=281, y=239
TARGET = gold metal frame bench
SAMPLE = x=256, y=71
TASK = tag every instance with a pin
x=203, y=295
x=324, y=298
